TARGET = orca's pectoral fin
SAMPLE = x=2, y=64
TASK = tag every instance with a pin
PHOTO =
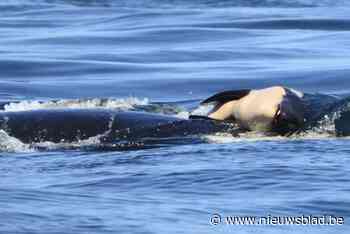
x=227, y=96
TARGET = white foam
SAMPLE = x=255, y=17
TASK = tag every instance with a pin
x=297, y=93
x=224, y=138
x=182, y=115
x=48, y=145
x=203, y=110
x=122, y=104
x=12, y=144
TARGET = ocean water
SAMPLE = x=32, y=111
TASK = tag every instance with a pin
x=164, y=57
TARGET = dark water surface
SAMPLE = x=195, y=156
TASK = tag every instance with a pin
x=164, y=56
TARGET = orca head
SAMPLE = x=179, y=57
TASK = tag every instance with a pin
x=289, y=116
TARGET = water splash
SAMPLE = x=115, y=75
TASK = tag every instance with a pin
x=119, y=104
x=12, y=144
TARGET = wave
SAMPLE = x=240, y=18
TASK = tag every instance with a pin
x=181, y=3
x=286, y=24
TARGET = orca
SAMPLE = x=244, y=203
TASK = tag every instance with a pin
x=277, y=110
x=273, y=109
x=71, y=125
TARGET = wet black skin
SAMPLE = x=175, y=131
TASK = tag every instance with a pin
x=73, y=125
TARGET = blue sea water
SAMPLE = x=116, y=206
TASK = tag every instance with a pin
x=167, y=55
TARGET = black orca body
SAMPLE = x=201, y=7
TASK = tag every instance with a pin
x=78, y=124
x=342, y=125
x=112, y=126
